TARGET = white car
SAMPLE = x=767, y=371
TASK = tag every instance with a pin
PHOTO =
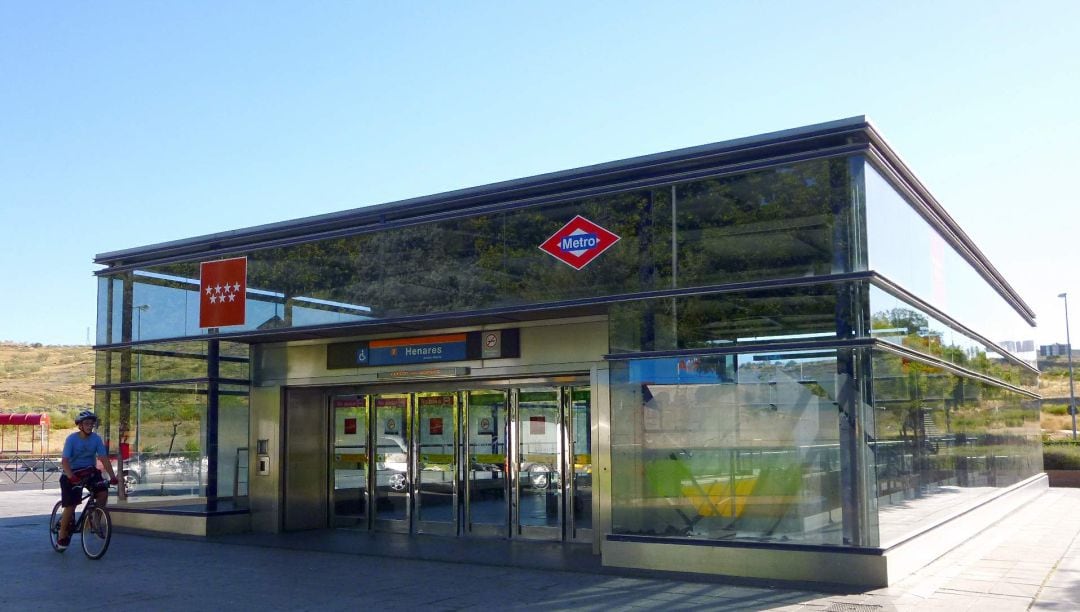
x=392, y=463
x=151, y=470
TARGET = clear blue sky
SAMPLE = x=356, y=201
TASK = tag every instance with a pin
x=130, y=123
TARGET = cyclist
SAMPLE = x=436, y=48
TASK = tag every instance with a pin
x=82, y=449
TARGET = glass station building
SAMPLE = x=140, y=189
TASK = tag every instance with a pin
x=772, y=357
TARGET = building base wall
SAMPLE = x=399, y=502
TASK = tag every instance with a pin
x=178, y=523
x=793, y=565
x=920, y=550
x=854, y=567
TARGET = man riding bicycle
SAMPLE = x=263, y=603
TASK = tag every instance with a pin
x=82, y=449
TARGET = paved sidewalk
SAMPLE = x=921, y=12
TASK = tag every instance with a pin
x=1030, y=560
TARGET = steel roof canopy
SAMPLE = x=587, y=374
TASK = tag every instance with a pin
x=849, y=135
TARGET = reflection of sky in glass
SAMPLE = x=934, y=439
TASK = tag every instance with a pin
x=935, y=332
x=905, y=249
x=166, y=306
x=314, y=316
x=102, y=310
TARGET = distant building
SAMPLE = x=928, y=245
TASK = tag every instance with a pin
x=1053, y=350
x=1019, y=346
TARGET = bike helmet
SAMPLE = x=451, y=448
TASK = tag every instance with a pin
x=85, y=414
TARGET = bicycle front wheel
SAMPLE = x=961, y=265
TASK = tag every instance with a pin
x=96, y=532
x=54, y=526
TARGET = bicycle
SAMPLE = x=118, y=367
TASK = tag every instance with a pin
x=93, y=524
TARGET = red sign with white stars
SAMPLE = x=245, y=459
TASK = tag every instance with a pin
x=579, y=242
x=222, y=292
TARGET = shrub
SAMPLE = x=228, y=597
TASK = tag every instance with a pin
x=1056, y=409
x=1061, y=455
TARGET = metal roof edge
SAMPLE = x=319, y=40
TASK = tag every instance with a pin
x=991, y=273
x=492, y=189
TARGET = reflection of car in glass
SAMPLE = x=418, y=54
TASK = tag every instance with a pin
x=543, y=475
x=538, y=475
x=155, y=470
x=391, y=466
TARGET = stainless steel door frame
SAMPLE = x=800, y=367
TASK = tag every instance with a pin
x=577, y=486
x=305, y=476
x=392, y=462
x=557, y=499
x=349, y=465
x=435, y=458
x=485, y=463
x=537, y=477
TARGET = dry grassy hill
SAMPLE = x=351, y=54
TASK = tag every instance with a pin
x=36, y=378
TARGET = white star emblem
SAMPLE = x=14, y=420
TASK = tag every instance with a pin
x=213, y=299
x=217, y=288
x=236, y=287
x=232, y=296
x=209, y=290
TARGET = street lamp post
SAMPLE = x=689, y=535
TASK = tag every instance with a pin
x=1068, y=345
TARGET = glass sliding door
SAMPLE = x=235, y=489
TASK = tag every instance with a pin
x=436, y=448
x=581, y=463
x=393, y=473
x=349, y=461
x=538, y=490
x=497, y=460
x=487, y=508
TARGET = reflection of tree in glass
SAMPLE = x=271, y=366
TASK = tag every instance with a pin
x=915, y=330
x=769, y=224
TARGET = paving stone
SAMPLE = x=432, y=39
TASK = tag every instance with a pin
x=1031, y=559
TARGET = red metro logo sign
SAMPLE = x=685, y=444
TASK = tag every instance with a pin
x=579, y=242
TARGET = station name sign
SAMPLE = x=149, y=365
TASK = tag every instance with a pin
x=424, y=349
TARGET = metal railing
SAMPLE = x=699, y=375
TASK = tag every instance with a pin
x=19, y=468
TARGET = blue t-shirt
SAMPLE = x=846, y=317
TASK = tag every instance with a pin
x=83, y=452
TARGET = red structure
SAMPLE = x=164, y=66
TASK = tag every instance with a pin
x=39, y=431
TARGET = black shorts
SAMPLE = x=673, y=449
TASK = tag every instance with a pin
x=71, y=495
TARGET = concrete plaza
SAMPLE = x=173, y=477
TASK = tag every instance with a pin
x=1030, y=560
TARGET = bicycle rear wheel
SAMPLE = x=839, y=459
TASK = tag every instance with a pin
x=96, y=532
x=54, y=526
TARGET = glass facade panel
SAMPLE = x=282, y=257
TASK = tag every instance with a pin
x=909, y=252
x=106, y=406
x=474, y=263
x=943, y=442
x=169, y=458
x=170, y=361
x=161, y=427
x=110, y=314
x=786, y=222
x=777, y=223
x=898, y=322
x=639, y=261
x=103, y=310
x=727, y=447
x=233, y=452
x=726, y=319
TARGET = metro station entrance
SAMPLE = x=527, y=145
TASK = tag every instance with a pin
x=507, y=460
